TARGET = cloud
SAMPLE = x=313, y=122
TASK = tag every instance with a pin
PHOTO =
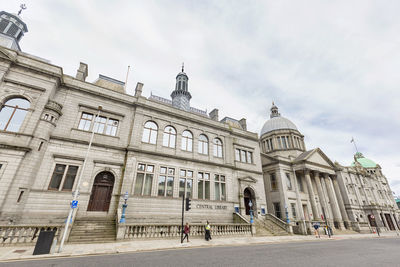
x=331, y=67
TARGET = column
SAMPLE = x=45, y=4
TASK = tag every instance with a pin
x=311, y=194
x=332, y=198
x=321, y=194
x=341, y=202
x=299, y=205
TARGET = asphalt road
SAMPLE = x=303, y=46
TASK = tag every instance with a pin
x=360, y=252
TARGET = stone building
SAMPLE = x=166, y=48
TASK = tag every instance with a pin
x=304, y=187
x=158, y=151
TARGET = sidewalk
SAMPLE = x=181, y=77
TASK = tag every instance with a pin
x=25, y=252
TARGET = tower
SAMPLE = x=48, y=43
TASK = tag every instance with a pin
x=12, y=28
x=181, y=96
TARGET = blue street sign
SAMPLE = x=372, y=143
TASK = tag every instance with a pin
x=74, y=204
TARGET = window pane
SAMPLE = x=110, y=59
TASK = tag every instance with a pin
x=237, y=154
x=146, y=136
x=207, y=176
x=20, y=102
x=138, y=184
x=222, y=178
x=99, y=125
x=184, y=143
x=207, y=189
x=189, y=173
x=189, y=186
x=163, y=170
x=161, y=185
x=216, y=189
x=183, y=173
x=147, y=185
x=70, y=177
x=190, y=145
x=5, y=115
x=249, y=157
x=216, y=177
x=200, y=189
x=172, y=139
x=243, y=155
x=181, y=187
x=166, y=139
x=57, y=176
x=171, y=171
x=150, y=168
x=112, y=126
x=141, y=167
x=223, y=196
x=170, y=186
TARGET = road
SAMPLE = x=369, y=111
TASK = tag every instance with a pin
x=360, y=252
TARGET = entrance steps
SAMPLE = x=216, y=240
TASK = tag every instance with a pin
x=266, y=227
x=93, y=230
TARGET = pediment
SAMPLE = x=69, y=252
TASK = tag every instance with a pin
x=316, y=156
x=248, y=179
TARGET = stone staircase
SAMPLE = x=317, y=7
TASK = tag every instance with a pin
x=266, y=227
x=93, y=230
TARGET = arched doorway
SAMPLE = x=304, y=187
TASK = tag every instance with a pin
x=248, y=195
x=100, y=197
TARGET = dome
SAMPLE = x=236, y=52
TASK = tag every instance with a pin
x=366, y=163
x=277, y=122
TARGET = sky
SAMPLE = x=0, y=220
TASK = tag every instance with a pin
x=332, y=67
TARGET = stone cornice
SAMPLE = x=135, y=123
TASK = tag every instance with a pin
x=14, y=147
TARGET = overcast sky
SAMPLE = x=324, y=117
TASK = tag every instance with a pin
x=332, y=67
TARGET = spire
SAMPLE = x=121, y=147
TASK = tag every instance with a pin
x=181, y=96
x=183, y=66
x=274, y=111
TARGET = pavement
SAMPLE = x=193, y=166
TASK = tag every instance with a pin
x=21, y=252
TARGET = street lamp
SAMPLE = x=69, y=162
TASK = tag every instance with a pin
x=126, y=196
x=251, y=212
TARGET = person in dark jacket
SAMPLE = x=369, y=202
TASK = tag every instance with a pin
x=186, y=231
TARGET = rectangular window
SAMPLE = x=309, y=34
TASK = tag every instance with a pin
x=63, y=177
x=294, y=214
x=274, y=184
x=277, y=209
x=165, y=181
x=243, y=156
x=288, y=181
x=203, y=183
x=249, y=157
x=102, y=125
x=185, y=183
x=271, y=144
x=85, y=121
x=300, y=183
x=237, y=154
x=219, y=187
x=283, y=138
x=144, y=180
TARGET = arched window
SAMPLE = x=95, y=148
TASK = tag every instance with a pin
x=12, y=114
x=169, y=137
x=217, y=148
x=150, y=132
x=187, y=141
x=203, y=144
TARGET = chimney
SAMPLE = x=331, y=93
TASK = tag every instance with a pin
x=214, y=114
x=138, y=89
x=243, y=123
x=82, y=72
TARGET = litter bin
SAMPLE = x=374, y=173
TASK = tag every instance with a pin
x=44, y=242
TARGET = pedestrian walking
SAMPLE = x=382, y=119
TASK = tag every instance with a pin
x=316, y=226
x=186, y=231
x=208, y=232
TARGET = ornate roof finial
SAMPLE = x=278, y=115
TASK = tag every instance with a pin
x=274, y=111
x=23, y=7
x=183, y=66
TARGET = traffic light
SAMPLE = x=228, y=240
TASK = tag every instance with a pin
x=187, y=206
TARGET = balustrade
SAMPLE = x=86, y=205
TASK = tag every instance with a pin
x=12, y=234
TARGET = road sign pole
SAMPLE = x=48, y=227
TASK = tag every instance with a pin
x=76, y=193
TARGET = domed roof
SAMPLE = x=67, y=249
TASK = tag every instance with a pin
x=277, y=122
x=366, y=163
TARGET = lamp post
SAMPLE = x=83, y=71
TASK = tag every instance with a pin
x=251, y=212
x=74, y=202
x=126, y=196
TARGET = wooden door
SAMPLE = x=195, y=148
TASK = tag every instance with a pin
x=100, y=197
x=247, y=197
